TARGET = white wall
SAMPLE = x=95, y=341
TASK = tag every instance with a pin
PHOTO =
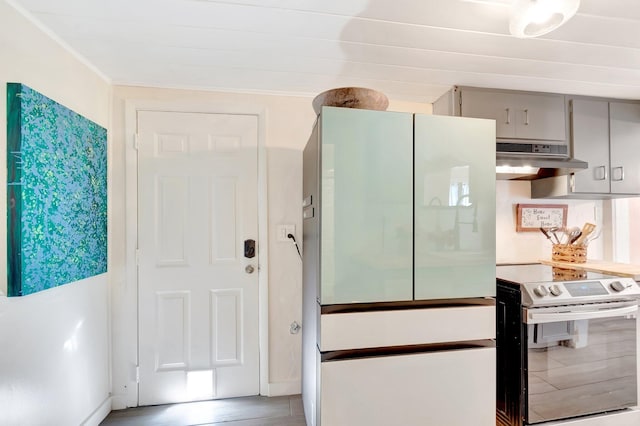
x=289, y=121
x=626, y=239
x=527, y=247
x=634, y=230
x=54, y=365
x=54, y=353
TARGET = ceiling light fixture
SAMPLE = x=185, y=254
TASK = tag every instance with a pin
x=533, y=18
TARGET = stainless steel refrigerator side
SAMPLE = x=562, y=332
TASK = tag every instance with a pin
x=311, y=274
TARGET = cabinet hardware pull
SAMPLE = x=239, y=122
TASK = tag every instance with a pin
x=616, y=176
x=508, y=117
x=526, y=117
x=600, y=176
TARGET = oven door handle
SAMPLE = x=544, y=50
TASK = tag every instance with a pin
x=533, y=317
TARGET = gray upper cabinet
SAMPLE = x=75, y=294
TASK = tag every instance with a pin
x=624, y=122
x=518, y=115
x=590, y=137
x=607, y=136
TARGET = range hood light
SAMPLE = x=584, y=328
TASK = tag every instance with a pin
x=517, y=169
x=531, y=166
x=515, y=172
x=533, y=18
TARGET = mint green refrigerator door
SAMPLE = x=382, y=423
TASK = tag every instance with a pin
x=366, y=206
x=455, y=202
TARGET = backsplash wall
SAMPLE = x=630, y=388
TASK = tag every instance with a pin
x=527, y=247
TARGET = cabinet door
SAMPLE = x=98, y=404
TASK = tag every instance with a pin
x=366, y=206
x=518, y=115
x=496, y=106
x=625, y=147
x=590, y=139
x=540, y=117
x=453, y=388
x=455, y=220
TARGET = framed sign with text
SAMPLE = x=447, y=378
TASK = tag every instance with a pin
x=532, y=217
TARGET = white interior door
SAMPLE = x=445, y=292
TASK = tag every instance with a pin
x=198, y=292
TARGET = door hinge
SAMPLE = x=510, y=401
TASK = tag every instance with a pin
x=135, y=141
x=137, y=374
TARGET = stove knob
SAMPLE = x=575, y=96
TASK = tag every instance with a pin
x=617, y=286
x=555, y=290
x=540, y=291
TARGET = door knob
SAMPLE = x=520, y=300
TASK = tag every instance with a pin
x=249, y=269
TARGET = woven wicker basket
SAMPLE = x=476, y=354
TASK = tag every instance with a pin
x=569, y=253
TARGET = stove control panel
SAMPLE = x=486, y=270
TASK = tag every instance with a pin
x=583, y=291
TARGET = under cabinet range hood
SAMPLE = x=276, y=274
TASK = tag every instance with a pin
x=523, y=161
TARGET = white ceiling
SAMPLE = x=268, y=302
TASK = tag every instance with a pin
x=412, y=50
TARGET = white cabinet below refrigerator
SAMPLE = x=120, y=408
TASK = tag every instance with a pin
x=453, y=388
x=402, y=327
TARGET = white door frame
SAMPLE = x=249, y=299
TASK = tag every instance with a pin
x=131, y=205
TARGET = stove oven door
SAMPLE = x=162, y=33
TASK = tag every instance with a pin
x=581, y=360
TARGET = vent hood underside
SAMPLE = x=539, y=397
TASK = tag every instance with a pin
x=530, y=166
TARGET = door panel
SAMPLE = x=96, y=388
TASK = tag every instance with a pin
x=590, y=137
x=455, y=202
x=224, y=232
x=172, y=217
x=197, y=203
x=452, y=388
x=625, y=144
x=225, y=319
x=366, y=211
x=494, y=106
x=174, y=311
x=540, y=117
x=518, y=115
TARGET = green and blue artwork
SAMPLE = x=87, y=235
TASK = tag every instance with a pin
x=56, y=193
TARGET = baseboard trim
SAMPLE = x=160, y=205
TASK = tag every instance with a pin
x=284, y=388
x=99, y=414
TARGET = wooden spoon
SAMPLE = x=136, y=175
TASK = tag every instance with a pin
x=587, y=229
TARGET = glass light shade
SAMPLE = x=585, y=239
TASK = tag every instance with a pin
x=532, y=18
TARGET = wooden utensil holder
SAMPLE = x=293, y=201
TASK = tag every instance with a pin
x=569, y=253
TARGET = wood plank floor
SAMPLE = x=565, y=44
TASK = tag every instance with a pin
x=249, y=411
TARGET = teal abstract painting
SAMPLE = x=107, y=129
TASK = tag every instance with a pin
x=56, y=193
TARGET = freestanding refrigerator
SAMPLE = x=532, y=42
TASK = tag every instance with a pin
x=398, y=270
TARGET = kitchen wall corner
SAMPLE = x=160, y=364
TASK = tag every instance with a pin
x=530, y=247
